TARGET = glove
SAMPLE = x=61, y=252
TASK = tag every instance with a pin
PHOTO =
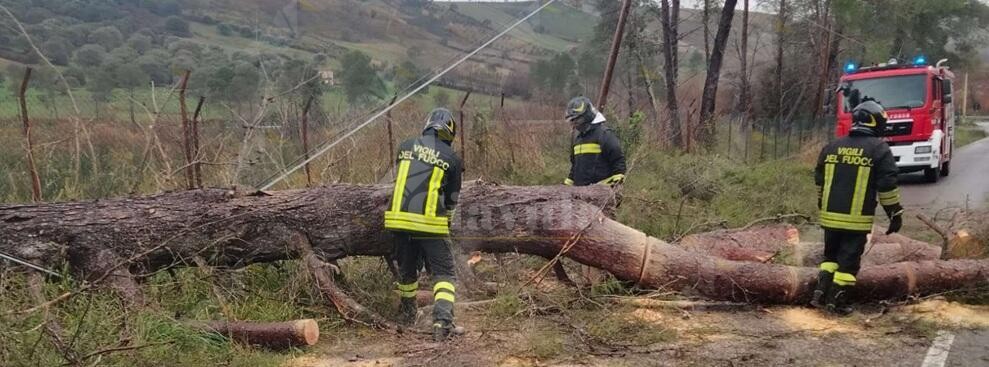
x=895, y=213
x=613, y=180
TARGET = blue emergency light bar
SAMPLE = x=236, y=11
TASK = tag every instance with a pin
x=920, y=60
x=850, y=67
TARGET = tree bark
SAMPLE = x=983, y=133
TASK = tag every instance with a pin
x=709, y=97
x=230, y=228
x=274, y=335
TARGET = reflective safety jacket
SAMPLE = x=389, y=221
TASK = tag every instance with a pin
x=853, y=173
x=596, y=158
x=427, y=187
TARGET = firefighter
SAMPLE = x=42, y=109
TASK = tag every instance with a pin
x=597, y=156
x=427, y=187
x=853, y=173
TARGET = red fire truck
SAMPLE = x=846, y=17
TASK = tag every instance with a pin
x=917, y=98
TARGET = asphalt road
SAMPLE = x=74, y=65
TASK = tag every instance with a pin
x=967, y=186
x=970, y=348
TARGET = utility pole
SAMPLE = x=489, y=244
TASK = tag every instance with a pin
x=616, y=45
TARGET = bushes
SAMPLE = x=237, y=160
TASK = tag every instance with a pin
x=670, y=195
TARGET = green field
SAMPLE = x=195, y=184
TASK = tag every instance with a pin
x=562, y=25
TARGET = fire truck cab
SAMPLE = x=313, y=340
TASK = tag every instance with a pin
x=917, y=98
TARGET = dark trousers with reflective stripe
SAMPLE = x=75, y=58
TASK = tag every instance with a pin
x=410, y=249
x=844, y=248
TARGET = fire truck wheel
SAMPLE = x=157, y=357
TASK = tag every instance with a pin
x=946, y=169
x=932, y=174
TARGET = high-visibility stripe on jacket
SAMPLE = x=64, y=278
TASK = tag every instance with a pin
x=427, y=186
x=596, y=158
x=854, y=173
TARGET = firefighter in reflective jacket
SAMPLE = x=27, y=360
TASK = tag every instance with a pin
x=597, y=154
x=853, y=173
x=426, y=190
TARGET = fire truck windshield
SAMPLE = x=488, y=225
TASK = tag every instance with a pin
x=906, y=91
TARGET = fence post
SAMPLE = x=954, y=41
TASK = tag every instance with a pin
x=186, y=135
x=762, y=145
x=747, y=137
x=195, y=142
x=788, y=133
x=776, y=140
x=304, y=126
x=729, y=138
x=463, y=130
x=391, y=140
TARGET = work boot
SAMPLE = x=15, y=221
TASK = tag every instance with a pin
x=408, y=311
x=837, y=300
x=442, y=330
x=824, y=281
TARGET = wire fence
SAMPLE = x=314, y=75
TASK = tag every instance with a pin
x=764, y=139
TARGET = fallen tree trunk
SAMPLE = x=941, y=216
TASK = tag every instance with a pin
x=760, y=243
x=781, y=244
x=274, y=335
x=230, y=229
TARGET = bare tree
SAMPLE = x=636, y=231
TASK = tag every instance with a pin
x=670, y=19
x=827, y=52
x=780, y=40
x=706, y=19
x=710, y=94
x=744, y=99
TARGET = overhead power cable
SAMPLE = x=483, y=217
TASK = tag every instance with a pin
x=436, y=77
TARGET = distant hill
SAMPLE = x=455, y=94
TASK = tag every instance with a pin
x=391, y=33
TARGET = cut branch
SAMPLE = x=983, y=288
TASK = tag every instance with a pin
x=274, y=335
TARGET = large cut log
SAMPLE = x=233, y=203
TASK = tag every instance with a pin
x=781, y=243
x=337, y=221
x=274, y=335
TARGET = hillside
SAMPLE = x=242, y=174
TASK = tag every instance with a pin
x=428, y=36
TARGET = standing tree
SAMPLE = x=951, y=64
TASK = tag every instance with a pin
x=109, y=37
x=359, y=78
x=670, y=19
x=129, y=76
x=714, y=73
x=140, y=43
x=58, y=50
x=780, y=40
x=89, y=56
x=744, y=99
x=176, y=26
